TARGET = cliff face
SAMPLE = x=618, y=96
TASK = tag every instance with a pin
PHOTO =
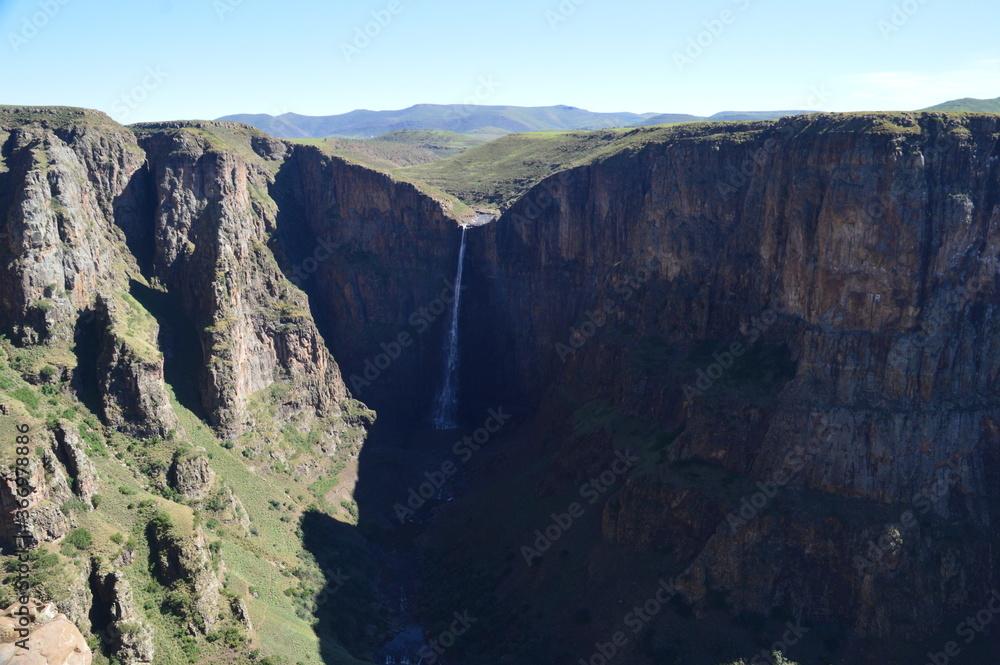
x=795, y=325
x=64, y=172
x=133, y=258
x=378, y=260
x=810, y=304
x=212, y=224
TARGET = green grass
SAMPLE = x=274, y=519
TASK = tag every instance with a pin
x=494, y=175
x=397, y=149
x=129, y=498
x=968, y=105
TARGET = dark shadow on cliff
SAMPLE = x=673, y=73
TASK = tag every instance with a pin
x=183, y=360
x=347, y=611
x=87, y=347
x=351, y=281
x=134, y=214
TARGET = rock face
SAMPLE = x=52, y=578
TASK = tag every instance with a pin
x=854, y=260
x=89, y=207
x=187, y=560
x=377, y=259
x=72, y=195
x=130, y=370
x=192, y=476
x=125, y=634
x=52, y=640
x=45, y=522
x=67, y=176
x=69, y=451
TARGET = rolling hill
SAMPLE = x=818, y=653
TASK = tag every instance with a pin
x=968, y=104
x=487, y=121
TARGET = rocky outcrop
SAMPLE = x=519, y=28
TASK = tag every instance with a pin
x=69, y=450
x=192, y=476
x=43, y=521
x=187, y=561
x=124, y=634
x=134, y=396
x=65, y=172
x=233, y=510
x=213, y=222
x=241, y=613
x=814, y=303
x=51, y=638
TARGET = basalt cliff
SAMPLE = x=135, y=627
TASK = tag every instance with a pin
x=789, y=329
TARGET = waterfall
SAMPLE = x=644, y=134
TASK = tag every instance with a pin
x=446, y=406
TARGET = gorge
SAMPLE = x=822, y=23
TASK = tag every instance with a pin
x=754, y=363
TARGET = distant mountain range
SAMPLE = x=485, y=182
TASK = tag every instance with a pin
x=487, y=122
x=491, y=122
x=969, y=104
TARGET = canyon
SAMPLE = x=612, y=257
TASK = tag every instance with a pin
x=790, y=329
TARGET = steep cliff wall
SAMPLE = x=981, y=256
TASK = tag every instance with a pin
x=378, y=260
x=854, y=261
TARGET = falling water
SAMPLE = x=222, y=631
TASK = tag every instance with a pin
x=446, y=407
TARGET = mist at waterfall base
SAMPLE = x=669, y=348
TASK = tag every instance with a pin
x=445, y=415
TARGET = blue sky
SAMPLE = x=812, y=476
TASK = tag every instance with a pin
x=181, y=59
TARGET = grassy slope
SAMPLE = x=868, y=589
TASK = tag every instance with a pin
x=398, y=149
x=969, y=105
x=264, y=563
x=494, y=175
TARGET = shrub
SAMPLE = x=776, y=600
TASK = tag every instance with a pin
x=176, y=602
x=117, y=538
x=80, y=539
x=73, y=505
x=96, y=500
x=47, y=373
x=27, y=396
x=161, y=521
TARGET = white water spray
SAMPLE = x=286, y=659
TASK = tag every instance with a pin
x=446, y=407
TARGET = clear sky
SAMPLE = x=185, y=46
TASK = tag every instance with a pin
x=182, y=59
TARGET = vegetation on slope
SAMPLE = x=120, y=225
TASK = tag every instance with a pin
x=398, y=149
x=475, y=119
x=968, y=105
x=266, y=565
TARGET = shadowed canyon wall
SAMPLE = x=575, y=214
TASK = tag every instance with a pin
x=853, y=261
